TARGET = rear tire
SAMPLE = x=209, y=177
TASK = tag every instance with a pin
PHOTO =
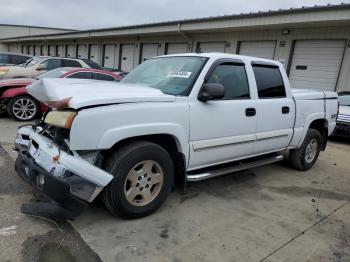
x=143, y=177
x=305, y=157
x=23, y=108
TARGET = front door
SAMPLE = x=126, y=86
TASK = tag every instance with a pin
x=223, y=130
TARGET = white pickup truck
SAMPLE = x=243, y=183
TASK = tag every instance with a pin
x=172, y=120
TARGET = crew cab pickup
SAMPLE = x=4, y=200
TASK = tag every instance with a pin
x=172, y=120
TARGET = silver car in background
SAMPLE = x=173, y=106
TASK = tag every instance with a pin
x=343, y=120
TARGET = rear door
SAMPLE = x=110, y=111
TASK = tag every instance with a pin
x=221, y=130
x=275, y=109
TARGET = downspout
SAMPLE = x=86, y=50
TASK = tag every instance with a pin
x=185, y=36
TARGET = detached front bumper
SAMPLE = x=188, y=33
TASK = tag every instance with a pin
x=67, y=179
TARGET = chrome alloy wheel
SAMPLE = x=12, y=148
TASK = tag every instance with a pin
x=143, y=183
x=311, y=150
x=24, y=109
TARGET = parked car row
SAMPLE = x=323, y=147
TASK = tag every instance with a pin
x=14, y=98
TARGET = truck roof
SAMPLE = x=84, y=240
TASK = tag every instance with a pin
x=218, y=55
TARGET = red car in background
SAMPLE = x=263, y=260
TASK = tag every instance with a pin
x=21, y=106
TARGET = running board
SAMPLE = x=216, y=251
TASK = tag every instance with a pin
x=237, y=166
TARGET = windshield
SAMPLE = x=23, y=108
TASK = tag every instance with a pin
x=32, y=61
x=55, y=73
x=171, y=75
x=344, y=100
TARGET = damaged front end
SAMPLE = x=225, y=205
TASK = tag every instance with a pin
x=70, y=179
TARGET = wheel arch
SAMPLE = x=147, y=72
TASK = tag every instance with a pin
x=167, y=141
x=321, y=125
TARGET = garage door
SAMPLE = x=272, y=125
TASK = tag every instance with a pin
x=52, y=50
x=61, y=51
x=316, y=64
x=149, y=51
x=109, y=56
x=37, y=50
x=15, y=48
x=209, y=47
x=71, y=51
x=31, y=50
x=127, y=57
x=44, y=50
x=82, y=51
x=262, y=49
x=95, y=53
x=24, y=49
x=176, y=48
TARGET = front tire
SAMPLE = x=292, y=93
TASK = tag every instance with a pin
x=23, y=108
x=305, y=157
x=143, y=178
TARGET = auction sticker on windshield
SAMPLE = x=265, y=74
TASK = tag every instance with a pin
x=181, y=74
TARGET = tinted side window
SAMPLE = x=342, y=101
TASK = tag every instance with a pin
x=3, y=58
x=234, y=78
x=70, y=63
x=83, y=75
x=50, y=64
x=17, y=59
x=105, y=77
x=269, y=82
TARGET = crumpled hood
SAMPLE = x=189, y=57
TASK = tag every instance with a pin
x=85, y=92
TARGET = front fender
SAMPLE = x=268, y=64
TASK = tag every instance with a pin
x=113, y=136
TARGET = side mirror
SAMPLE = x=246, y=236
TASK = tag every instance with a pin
x=211, y=91
x=40, y=67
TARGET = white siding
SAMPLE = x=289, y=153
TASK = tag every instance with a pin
x=109, y=60
x=209, y=47
x=316, y=64
x=177, y=48
x=262, y=49
x=71, y=49
x=95, y=53
x=61, y=51
x=82, y=51
x=149, y=51
x=127, y=57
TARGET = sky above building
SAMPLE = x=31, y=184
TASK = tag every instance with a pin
x=92, y=14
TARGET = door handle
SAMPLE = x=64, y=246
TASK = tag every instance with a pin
x=250, y=111
x=285, y=110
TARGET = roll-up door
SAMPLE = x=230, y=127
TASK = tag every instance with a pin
x=24, y=49
x=44, y=50
x=37, y=50
x=261, y=49
x=52, y=50
x=71, y=51
x=149, y=51
x=31, y=50
x=316, y=64
x=176, y=48
x=61, y=51
x=15, y=48
x=127, y=57
x=109, y=56
x=82, y=51
x=208, y=47
x=95, y=53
